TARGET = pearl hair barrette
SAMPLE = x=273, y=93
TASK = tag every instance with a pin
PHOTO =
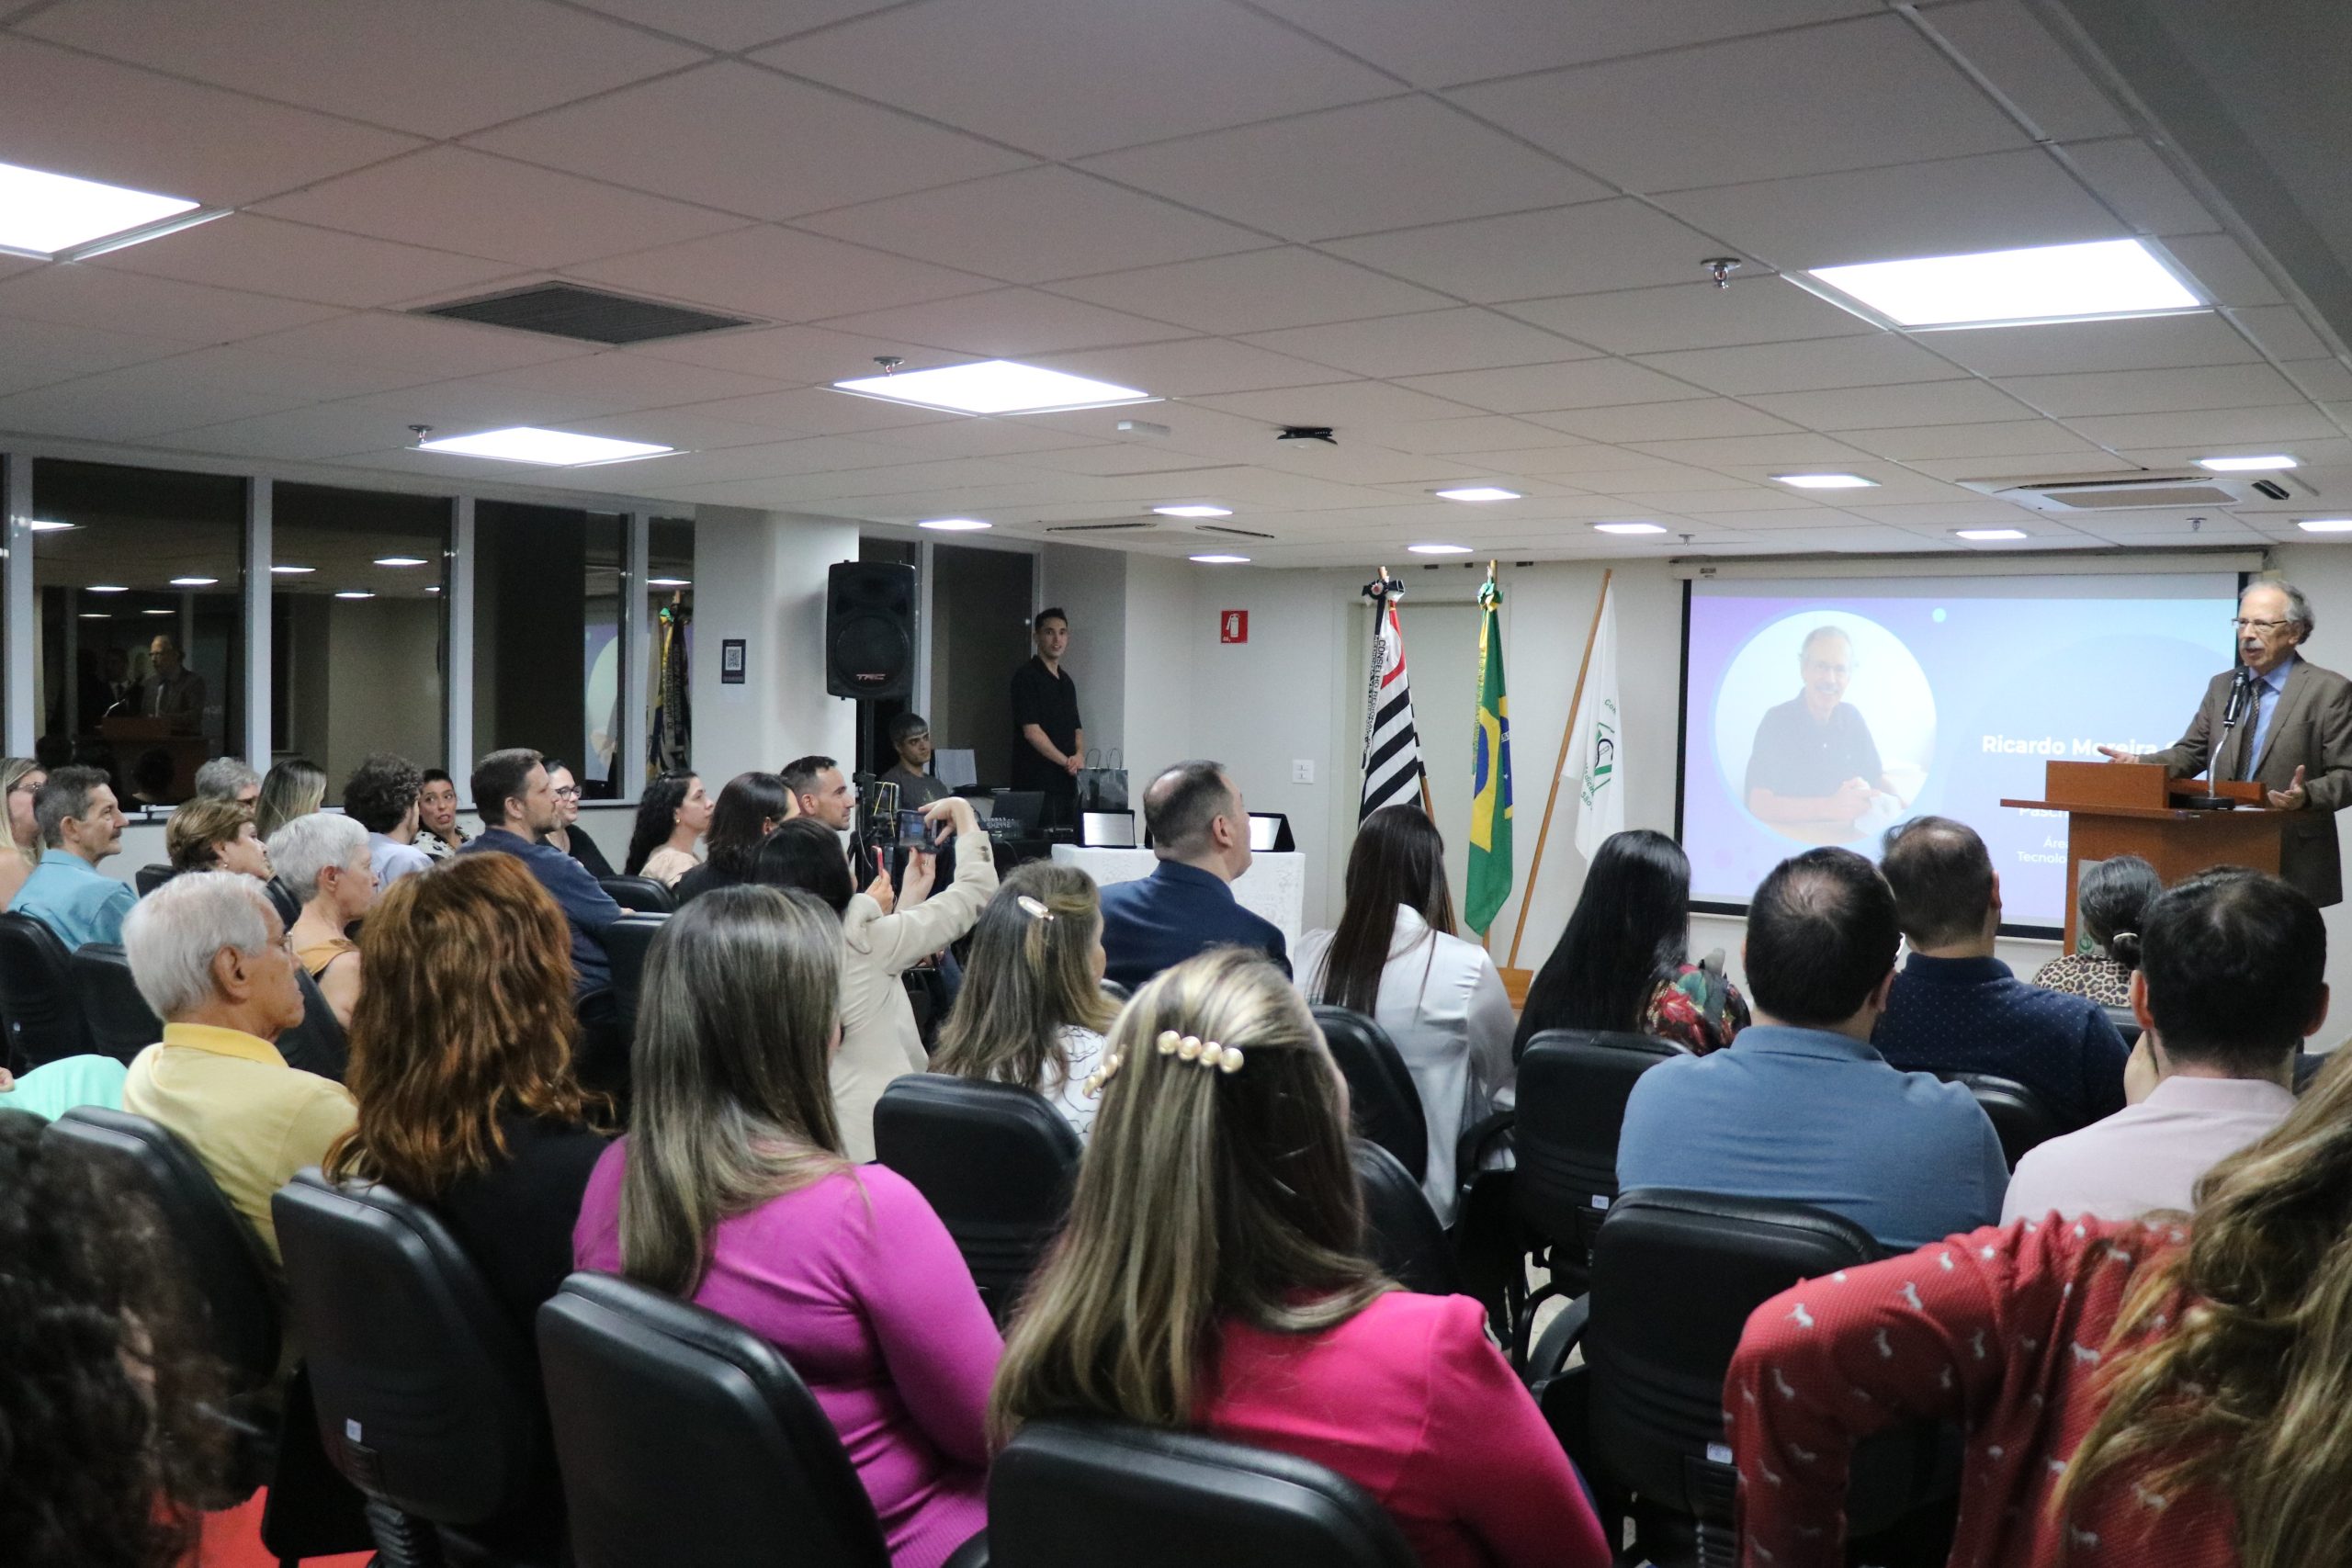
x=1035, y=908
x=1184, y=1047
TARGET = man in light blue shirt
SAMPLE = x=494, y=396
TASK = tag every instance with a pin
x=1798, y=1107
x=79, y=825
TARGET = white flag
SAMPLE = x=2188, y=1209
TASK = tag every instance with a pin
x=1596, y=746
x=1392, y=747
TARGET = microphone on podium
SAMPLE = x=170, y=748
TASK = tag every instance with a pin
x=2241, y=697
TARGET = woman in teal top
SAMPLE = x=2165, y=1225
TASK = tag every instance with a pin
x=55, y=1088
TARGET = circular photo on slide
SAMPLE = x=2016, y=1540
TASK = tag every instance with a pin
x=1824, y=726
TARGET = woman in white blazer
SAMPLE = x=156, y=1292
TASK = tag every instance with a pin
x=1396, y=959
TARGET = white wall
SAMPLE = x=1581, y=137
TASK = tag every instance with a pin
x=1091, y=586
x=761, y=576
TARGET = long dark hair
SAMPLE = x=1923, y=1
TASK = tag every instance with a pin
x=746, y=807
x=657, y=819
x=806, y=854
x=1399, y=858
x=1632, y=930
x=2114, y=899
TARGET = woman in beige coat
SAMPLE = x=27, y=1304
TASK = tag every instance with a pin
x=881, y=938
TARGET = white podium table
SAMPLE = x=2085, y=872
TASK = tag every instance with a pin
x=1274, y=886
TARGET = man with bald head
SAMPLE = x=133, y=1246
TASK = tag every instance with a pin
x=2293, y=735
x=1201, y=833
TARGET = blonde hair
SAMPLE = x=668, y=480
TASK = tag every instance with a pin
x=198, y=831
x=12, y=772
x=1031, y=974
x=2239, y=1369
x=1205, y=1196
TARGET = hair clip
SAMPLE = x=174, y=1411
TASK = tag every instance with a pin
x=1100, y=1076
x=1032, y=907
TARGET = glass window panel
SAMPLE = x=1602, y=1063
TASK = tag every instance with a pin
x=669, y=619
x=547, y=662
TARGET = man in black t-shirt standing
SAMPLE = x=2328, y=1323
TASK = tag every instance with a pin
x=1814, y=768
x=1048, y=739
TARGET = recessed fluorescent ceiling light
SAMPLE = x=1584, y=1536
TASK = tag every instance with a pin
x=44, y=214
x=109, y=588
x=2045, y=283
x=2325, y=524
x=44, y=525
x=1984, y=534
x=399, y=561
x=292, y=571
x=1476, y=492
x=1438, y=549
x=355, y=593
x=669, y=582
x=1222, y=561
x=2244, y=465
x=159, y=612
x=553, y=448
x=1826, y=481
x=96, y=615
x=1628, y=528
x=1194, y=511
x=194, y=581
x=955, y=524
x=994, y=386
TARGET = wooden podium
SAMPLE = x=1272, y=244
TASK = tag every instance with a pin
x=2130, y=808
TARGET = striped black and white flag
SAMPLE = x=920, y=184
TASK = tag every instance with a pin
x=1392, y=748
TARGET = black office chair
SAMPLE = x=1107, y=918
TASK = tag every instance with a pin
x=281, y=897
x=1116, y=992
x=319, y=1043
x=641, y=894
x=2126, y=1024
x=1104, y=1494
x=427, y=1397
x=1573, y=1085
x=1400, y=1228
x=121, y=1022
x=627, y=942
x=148, y=878
x=685, y=1439
x=38, y=1002
x=995, y=1162
x=1387, y=1107
x=2020, y=1117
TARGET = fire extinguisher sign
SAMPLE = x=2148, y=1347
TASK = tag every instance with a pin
x=1233, y=626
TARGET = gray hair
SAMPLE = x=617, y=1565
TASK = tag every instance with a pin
x=173, y=935
x=2299, y=609
x=66, y=798
x=1804, y=649
x=223, y=777
x=308, y=845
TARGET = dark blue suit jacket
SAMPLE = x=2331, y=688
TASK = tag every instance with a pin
x=1160, y=920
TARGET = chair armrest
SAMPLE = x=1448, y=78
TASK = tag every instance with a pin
x=1491, y=1130
x=1560, y=1338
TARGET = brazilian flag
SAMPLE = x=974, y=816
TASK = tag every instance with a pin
x=1490, y=867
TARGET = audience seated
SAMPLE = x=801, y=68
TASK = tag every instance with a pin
x=212, y=834
x=381, y=793
x=821, y=790
x=80, y=826
x=1957, y=1008
x=1201, y=832
x=909, y=734
x=438, y=833
x=1213, y=1278
x=55, y=1088
x=732, y=1190
x=327, y=863
x=2113, y=900
x=108, y=1442
x=1800, y=1107
x=1396, y=959
x=227, y=778
x=670, y=820
x=883, y=936
x=210, y=956
x=1032, y=1011
x=2230, y=985
x=567, y=834
x=20, y=780
x=294, y=787
x=747, y=810
x=461, y=1056
x=1624, y=963
x=2150, y=1392
x=518, y=808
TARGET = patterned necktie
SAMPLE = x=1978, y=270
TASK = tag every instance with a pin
x=2248, y=756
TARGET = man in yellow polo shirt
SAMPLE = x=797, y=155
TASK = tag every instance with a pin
x=210, y=954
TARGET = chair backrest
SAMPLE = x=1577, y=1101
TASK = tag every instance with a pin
x=995, y=1162
x=223, y=1260
x=282, y=899
x=1573, y=1085
x=2126, y=1023
x=424, y=1390
x=686, y=1440
x=121, y=1022
x=639, y=893
x=1401, y=1229
x=2020, y=1117
x=1106, y=1495
x=148, y=878
x=1387, y=1107
x=38, y=1002
x=319, y=1043
x=627, y=942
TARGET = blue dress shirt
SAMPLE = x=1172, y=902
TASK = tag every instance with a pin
x=75, y=899
x=586, y=906
x=2268, y=690
x=1158, y=922
x=1809, y=1116
x=1971, y=1015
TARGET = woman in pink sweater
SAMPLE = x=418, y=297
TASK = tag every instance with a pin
x=730, y=1190
x=1212, y=1279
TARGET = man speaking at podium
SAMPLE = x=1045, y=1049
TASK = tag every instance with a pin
x=2282, y=722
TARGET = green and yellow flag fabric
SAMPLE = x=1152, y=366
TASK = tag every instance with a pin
x=1490, y=864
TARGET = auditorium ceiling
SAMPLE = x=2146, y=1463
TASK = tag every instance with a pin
x=1467, y=237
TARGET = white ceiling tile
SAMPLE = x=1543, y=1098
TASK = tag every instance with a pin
x=157, y=134
x=816, y=410
x=782, y=274
x=1255, y=292
x=1584, y=383
x=2135, y=182
x=434, y=67
x=1952, y=207
x=462, y=406
x=302, y=435
x=1011, y=436
x=1482, y=432
x=1848, y=96
x=1774, y=451
x=1112, y=457
x=1008, y=323
x=1343, y=404
x=615, y=381
x=1532, y=255
x=1759, y=308
x=295, y=261
x=735, y=24
x=1353, y=170
x=2281, y=331
x=117, y=301
x=2153, y=391
x=2323, y=379
x=1939, y=513
x=768, y=460
x=141, y=400
x=1777, y=519
x=1064, y=78
x=61, y=349
x=2212, y=429
x=2005, y=438
x=2036, y=465
x=1715, y=497
x=732, y=136
x=2144, y=342
x=1425, y=343
x=2229, y=275
x=2029, y=68
x=801, y=355
x=1881, y=360
x=244, y=368
x=482, y=206
x=1665, y=421
x=1870, y=408
x=1568, y=465
x=1194, y=367
x=400, y=345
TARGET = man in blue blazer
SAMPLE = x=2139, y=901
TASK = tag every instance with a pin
x=1202, y=835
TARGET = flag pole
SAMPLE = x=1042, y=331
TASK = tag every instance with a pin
x=1567, y=728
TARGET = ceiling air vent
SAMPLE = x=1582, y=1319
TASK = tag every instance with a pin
x=1105, y=528
x=1233, y=532
x=587, y=315
x=2075, y=494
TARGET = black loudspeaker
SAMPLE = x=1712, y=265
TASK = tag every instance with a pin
x=869, y=629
